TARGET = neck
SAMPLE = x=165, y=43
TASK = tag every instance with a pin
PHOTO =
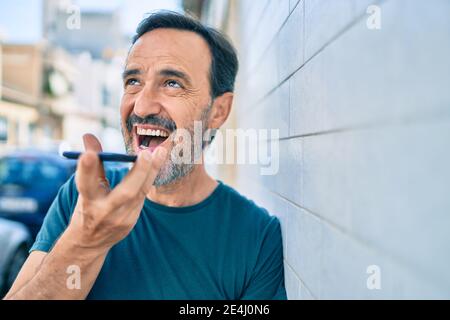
x=187, y=191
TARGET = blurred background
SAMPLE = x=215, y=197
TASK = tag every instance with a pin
x=60, y=65
x=358, y=89
x=61, y=62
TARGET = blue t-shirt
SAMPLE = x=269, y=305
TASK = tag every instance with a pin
x=224, y=247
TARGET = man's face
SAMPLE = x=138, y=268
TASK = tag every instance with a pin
x=166, y=87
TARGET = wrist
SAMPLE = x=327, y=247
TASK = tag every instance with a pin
x=72, y=242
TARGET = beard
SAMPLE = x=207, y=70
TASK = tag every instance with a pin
x=171, y=171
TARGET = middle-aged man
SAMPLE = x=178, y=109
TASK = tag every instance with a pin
x=164, y=229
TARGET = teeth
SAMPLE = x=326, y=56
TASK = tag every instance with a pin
x=150, y=132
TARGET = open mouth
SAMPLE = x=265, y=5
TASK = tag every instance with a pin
x=149, y=137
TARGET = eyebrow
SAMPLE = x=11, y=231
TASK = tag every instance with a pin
x=169, y=72
x=130, y=72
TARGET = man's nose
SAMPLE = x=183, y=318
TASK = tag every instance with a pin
x=147, y=102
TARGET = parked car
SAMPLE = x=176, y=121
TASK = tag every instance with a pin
x=29, y=181
x=15, y=240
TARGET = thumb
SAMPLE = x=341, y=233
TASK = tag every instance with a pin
x=91, y=143
x=87, y=176
x=159, y=156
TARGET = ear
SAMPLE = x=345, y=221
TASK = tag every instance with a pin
x=220, y=110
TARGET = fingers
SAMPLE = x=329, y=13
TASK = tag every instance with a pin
x=91, y=143
x=140, y=178
x=87, y=175
x=159, y=157
x=90, y=176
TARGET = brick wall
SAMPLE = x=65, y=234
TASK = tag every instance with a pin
x=364, y=120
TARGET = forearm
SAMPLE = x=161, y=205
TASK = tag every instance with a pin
x=57, y=277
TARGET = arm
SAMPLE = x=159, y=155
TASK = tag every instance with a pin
x=29, y=269
x=45, y=276
x=101, y=218
x=267, y=280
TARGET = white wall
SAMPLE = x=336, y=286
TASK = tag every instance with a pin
x=364, y=119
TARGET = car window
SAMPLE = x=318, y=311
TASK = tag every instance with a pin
x=49, y=171
x=17, y=170
x=22, y=171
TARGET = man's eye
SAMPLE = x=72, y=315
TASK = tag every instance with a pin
x=173, y=84
x=131, y=82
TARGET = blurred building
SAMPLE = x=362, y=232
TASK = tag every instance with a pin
x=95, y=31
x=50, y=96
x=90, y=56
x=25, y=119
x=85, y=92
x=66, y=85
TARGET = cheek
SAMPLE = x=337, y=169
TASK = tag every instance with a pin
x=126, y=107
x=182, y=113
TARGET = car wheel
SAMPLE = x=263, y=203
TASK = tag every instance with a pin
x=15, y=265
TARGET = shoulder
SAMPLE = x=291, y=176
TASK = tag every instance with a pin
x=249, y=214
x=256, y=233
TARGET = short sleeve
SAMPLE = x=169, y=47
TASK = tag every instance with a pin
x=57, y=217
x=267, y=281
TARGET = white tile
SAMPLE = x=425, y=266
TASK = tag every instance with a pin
x=304, y=246
x=291, y=43
x=292, y=283
x=388, y=186
x=369, y=77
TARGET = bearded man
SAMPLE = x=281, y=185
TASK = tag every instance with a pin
x=164, y=229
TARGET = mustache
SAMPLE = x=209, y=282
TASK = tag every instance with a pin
x=167, y=124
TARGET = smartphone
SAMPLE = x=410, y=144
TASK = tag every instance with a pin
x=104, y=156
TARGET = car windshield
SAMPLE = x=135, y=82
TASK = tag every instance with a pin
x=23, y=171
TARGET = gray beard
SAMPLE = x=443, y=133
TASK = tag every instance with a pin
x=171, y=172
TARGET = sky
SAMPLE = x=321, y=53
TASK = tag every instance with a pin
x=132, y=11
x=20, y=20
x=14, y=13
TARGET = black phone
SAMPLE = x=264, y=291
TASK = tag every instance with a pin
x=104, y=156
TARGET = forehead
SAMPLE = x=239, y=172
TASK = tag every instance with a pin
x=181, y=48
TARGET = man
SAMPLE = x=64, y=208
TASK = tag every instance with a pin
x=165, y=229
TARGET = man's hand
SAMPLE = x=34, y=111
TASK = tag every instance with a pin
x=102, y=217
